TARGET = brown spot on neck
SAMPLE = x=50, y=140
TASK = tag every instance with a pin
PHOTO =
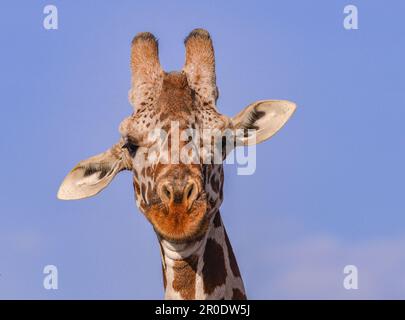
x=217, y=220
x=214, y=272
x=185, y=276
x=231, y=257
x=238, y=295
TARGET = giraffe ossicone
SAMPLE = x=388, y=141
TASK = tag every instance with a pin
x=181, y=199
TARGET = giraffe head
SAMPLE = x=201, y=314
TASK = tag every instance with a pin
x=170, y=142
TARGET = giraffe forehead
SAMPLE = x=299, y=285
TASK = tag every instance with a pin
x=175, y=102
x=176, y=96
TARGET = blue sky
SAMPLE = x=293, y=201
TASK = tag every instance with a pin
x=328, y=189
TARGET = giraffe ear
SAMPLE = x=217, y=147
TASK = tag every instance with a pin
x=264, y=117
x=92, y=175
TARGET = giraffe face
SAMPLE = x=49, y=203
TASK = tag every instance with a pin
x=178, y=181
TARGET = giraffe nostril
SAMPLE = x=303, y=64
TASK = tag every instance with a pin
x=166, y=193
x=190, y=193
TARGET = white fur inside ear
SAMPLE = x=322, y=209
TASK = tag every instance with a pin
x=266, y=117
x=86, y=181
x=92, y=175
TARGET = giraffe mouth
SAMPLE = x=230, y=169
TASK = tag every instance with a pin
x=179, y=224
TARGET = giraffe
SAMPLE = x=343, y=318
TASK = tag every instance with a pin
x=180, y=199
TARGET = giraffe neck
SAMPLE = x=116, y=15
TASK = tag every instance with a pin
x=204, y=269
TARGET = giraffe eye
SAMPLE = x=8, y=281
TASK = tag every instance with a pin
x=131, y=147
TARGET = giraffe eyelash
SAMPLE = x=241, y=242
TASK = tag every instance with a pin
x=131, y=147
